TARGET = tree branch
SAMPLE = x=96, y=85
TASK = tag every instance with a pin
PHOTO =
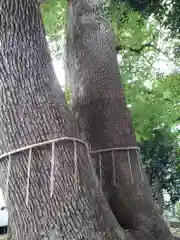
x=139, y=50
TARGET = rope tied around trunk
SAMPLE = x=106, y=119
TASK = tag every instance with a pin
x=30, y=149
x=75, y=141
x=128, y=149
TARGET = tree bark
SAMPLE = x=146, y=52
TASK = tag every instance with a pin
x=33, y=110
x=99, y=104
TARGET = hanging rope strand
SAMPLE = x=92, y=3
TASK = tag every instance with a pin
x=76, y=168
x=7, y=179
x=92, y=167
x=100, y=169
x=52, y=170
x=139, y=163
x=114, y=169
x=28, y=175
x=130, y=169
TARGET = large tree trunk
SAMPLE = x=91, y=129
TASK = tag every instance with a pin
x=32, y=110
x=100, y=107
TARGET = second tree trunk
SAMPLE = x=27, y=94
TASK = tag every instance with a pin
x=99, y=104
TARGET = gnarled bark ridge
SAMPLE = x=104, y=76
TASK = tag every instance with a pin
x=32, y=110
x=99, y=104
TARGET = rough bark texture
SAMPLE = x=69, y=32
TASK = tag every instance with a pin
x=32, y=110
x=100, y=107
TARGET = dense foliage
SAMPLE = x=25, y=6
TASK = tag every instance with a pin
x=167, y=12
x=161, y=160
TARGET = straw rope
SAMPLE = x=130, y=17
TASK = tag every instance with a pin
x=30, y=149
x=75, y=141
x=137, y=149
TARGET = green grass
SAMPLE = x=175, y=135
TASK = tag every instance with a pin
x=4, y=237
